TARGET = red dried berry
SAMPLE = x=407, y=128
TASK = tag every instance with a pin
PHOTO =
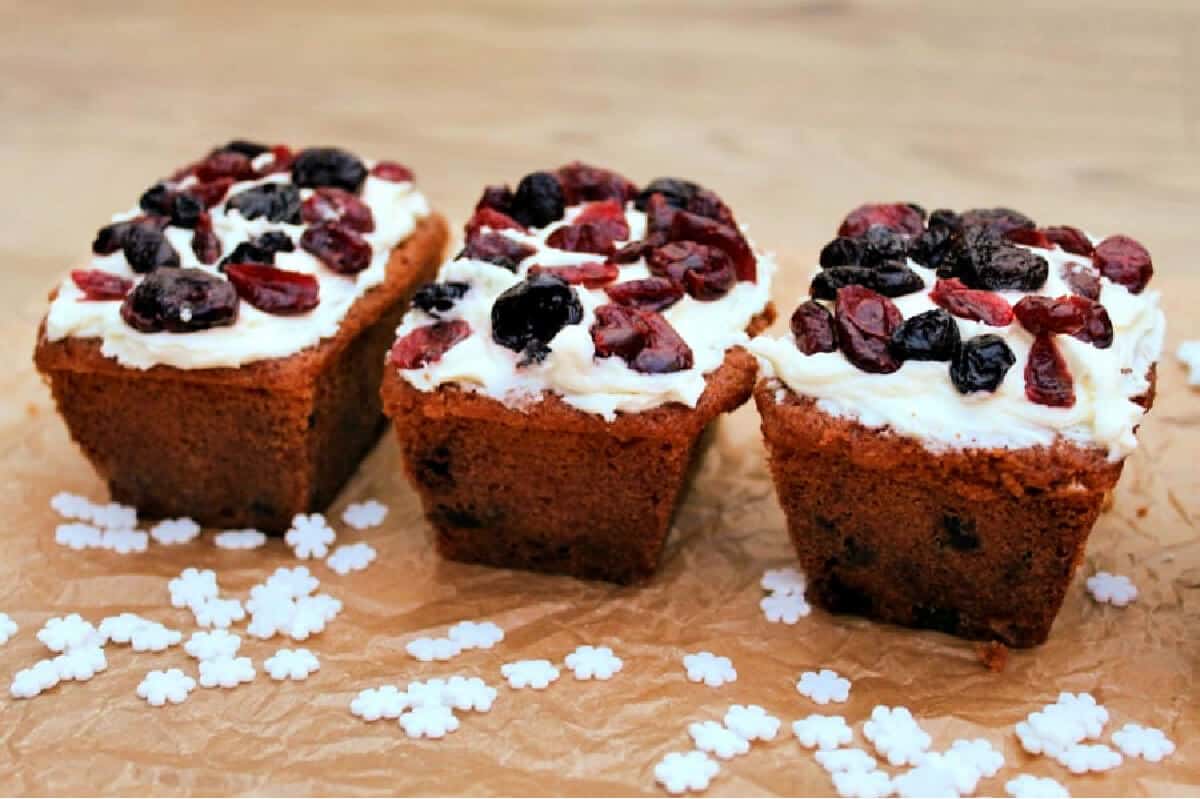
x=224, y=164
x=180, y=301
x=496, y=248
x=643, y=339
x=636, y=250
x=1030, y=237
x=609, y=214
x=1124, y=260
x=1082, y=280
x=428, y=344
x=329, y=204
x=812, y=327
x=648, y=293
x=211, y=193
x=592, y=237
x=390, y=170
x=339, y=247
x=1051, y=315
x=490, y=218
x=1071, y=239
x=660, y=214
x=1097, y=327
x=584, y=183
x=900, y=217
x=997, y=220
x=273, y=290
x=974, y=304
x=705, y=272
x=1047, y=379
x=282, y=157
x=498, y=198
x=592, y=274
x=98, y=285
x=686, y=226
x=205, y=243
x=865, y=321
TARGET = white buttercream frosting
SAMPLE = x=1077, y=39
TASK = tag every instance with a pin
x=919, y=400
x=604, y=386
x=255, y=335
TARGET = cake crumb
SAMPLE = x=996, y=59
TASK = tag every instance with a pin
x=1142, y=512
x=993, y=655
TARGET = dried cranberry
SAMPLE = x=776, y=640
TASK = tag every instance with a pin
x=490, y=218
x=706, y=272
x=182, y=209
x=277, y=202
x=1097, y=327
x=865, y=322
x=592, y=237
x=981, y=363
x=96, y=284
x=275, y=291
x=281, y=160
x=439, y=298
x=211, y=193
x=328, y=166
x=250, y=149
x=609, y=214
x=180, y=301
x=983, y=259
x=900, y=217
x=496, y=248
x=998, y=220
x=205, y=243
x=428, y=344
x=706, y=203
x=812, y=327
x=583, y=183
x=649, y=293
x=686, y=226
x=1071, y=239
x=262, y=249
x=842, y=251
x=592, y=274
x=498, y=198
x=538, y=200
x=528, y=315
x=929, y=336
x=1125, y=261
x=1047, y=379
x=1030, y=237
x=643, y=339
x=1040, y=315
x=224, y=164
x=390, y=170
x=1082, y=279
x=146, y=248
x=660, y=215
x=328, y=204
x=111, y=238
x=890, y=279
x=339, y=247
x=973, y=304
x=636, y=250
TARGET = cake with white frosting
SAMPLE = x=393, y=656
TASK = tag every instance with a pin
x=550, y=388
x=955, y=400
x=204, y=354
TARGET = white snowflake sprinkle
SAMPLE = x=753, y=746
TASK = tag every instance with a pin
x=423, y=693
x=593, y=663
x=536, y=674
x=124, y=542
x=120, y=628
x=1189, y=355
x=8, y=628
x=217, y=612
x=61, y=634
x=896, y=735
x=153, y=637
x=291, y=664
x=929, y=780
x=783, y=582
x=28, y=683
x=310, y=535
x=427, y=649
x=824, y=686
x=429, y=721
x=175, y=531
x=213, y=645
x=114, y=516
x=1148, y=743
x=835, y=760
x=227, y=672
x=71, y=506
x=680, y=772
x=295, y=582
x=193, y=586
x=364, y=515
x=1115, y=589
x=1083, y=758
x=476, y=634
x=468, y=693
x=784, y=608
x=351, y=558
x=752, y=722
x=77, y=535
x=864, y=784
x=822, y=732
x=710, y=669
x=384, y=702
x=239, y=539
x=323, y=605
x=716, y=739
x=979, y=754
x=81, y=663
x=1027, y=786
x=1069, y=720
x=160, y=687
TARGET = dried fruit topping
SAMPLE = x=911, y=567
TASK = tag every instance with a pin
x=339, y=247
x=812, y=327
x=146, y=248
x=981, y=363
x=865, y=321
x=496, y=248
x=490, y=218
x=98, y=285
x=966, y=303
x=224, y=164
x=427, y=345
x=277, y=202
x=1047, y=379
x=439, y=298
x=281, y=160
x=1082, y=280
x=610, y=214
x=1040, y=315
x=591, y=274
x=328, y=204
x=1030, y=237
x=529, y=314
x=538, y=200
x=211, y=193
x=932, y=248
x=182, y=209
x=881, y=245
x=1071, y=239
x=983, y=259
x=328, y=166
x=498, y=198
x=643, y=339
x=593, y=237
x=1123, y=260
x=250, y=149
x=584, y=183
x=1097, y=327
x=180, y=301
x=262, y=249
x=111, y=238
x=892, y=279
x=903, y=218
x=998, y=220
x=929, y=336
x=705, y=272
x=685, y=195
x=686, y=226
x=205, y=243
x=275, y=291
x=390, y=170
x=842, y=251
x=636, y=250
x=648, y=293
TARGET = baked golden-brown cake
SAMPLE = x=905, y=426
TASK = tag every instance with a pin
x=550, y=390
x=220, y=356
x=951, y=409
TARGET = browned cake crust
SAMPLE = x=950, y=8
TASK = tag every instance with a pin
x=977, y=543
x=244, y=447
x=550, y=488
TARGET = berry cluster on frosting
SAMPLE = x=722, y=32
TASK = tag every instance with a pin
x=979, y=259
x=308, y=199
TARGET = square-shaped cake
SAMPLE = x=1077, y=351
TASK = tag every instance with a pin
x=953, y=405
x=550, y=389
x=219, y=355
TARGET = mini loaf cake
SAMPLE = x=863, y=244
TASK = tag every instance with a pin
x=550, y=389
x=220, y=355
x=953, y=405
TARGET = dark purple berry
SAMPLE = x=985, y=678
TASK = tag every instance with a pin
x=495, y=248
x=929, y=336
x=676, y=191
x=981, y=364
x=865, y=321
x=998, y=220
x=111, y=238
x=180, y=301
x=529, y=314
x=890, y=279
x=842, y=251
x=438, y=298
x=328, y=166
x=146, y=249
x=277, y=202
x=498, y=198
x=812, y=327
x=261, y=249
x=881, y=244
x=182, y=209
x=983, y=259
x=341, y=248
x=249, y=149
x=538, y=200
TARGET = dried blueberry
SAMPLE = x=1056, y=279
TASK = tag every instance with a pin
x=146, y=248
x=531, y=313
x=328, y=166
x=881, y=244
x=180, y=301
x=438, y=298
x=676, y=191
x=929, y=336
x=498, y=198
x=182, y=209
x=278, y=202
x=983, y=259
x=842, y=251
x=891, y=280
x=998, y=220
x=981, y=364
x=111, y=238
x=261, y=249
x=538, y=200
x=249, y=149
x=931, y=248
x=812, y=328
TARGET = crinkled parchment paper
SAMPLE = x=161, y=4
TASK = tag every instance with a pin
x=1143, y=662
